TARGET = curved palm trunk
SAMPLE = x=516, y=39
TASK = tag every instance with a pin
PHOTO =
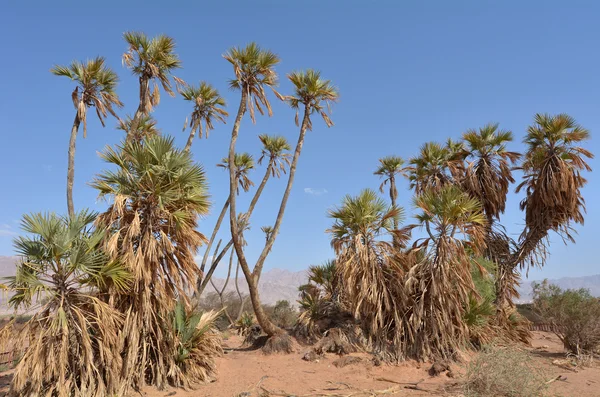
x=142, y=109
x=222, y=290
x=213, y=266
x=253, y=277
x=71, y=165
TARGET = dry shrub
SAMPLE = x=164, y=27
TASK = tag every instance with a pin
x=336, y=341
x=504, y=372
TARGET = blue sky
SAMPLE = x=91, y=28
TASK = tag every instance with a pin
x=408, y=72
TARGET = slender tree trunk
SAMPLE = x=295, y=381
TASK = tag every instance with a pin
x=214, y=235
x=393, y=194
x=142, y=107
x=253, y=277
x=213, y=266
x=71, y=165
x=237, y=288
x=222, y=290
x=188, y=145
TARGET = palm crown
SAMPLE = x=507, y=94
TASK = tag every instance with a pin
x=389, y=167
x=244, y=163
x=96, y=84
x=208, y=106
x=152, y=60
x=552, y=174
x=254, y=70
x=314, y=93
x=489, y=174
x=146, y=127
x=274, y=149
x=430, y=170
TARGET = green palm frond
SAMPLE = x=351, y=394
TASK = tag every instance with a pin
x=95, y=87
x=244, y=163
x=208, y=107
x=254, y=69
x=315, y=93
x=275, y=148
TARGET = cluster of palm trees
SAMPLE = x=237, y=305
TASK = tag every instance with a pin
x=112, y=292
x=434, y=296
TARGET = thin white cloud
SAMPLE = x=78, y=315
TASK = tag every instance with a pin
x=314, y=191
x=6, y=230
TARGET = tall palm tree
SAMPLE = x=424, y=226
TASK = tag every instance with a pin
x=431, y=169
x=368, y=267
x=440, y=284
x=208, y=106
x=552, y=178
x=158, y=194
x=389, y=167
x=314, y=95
x=146, y=127
x=152, y=60
x=96, y=84
x=488, y=174
x=72, y=346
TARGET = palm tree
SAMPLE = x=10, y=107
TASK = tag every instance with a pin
x=312, y=93
x=368, y=267
x=489, y=174
x=158, y=195
x=431, y=169
x=244, y=163
x=72, y=346
x=552, y=178
x=152, y=60
x=146, y=127
x=208, y=106
x=96, y=84
x=389, y=167
x=440, y=284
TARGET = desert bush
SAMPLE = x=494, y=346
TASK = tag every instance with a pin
x=504, y=372
x=575, y=315
x=245, y=323
x=211, y=301
x=282, y=314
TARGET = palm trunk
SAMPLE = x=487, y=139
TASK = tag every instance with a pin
x=253, y=277
x=237, y=288
x=213, y=266
x=71, y=165
x=214, y=235
x=222, y=290
x=141, y=110
x=188, y=145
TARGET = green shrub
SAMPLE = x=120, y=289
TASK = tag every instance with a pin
x=574, y=314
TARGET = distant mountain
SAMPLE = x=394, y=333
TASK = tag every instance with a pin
x=278, y=284
x=591, y=283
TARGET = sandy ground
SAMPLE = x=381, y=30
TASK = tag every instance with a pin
x=246, y=373
x=243, y=373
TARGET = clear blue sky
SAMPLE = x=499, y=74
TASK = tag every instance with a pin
x=408, y=72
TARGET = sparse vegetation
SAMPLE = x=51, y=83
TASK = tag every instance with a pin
x=504, y=372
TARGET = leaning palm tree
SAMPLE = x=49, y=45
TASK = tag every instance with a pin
x=369, y=268
x=71, y=342
x=552, y=168
x=96, y=85
x=431, y=168
x=208, y=106
x=158, y=195
x=389, y=167
x=314, y=95
x=440, y=284
x=152, y=60
x=146, y=127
